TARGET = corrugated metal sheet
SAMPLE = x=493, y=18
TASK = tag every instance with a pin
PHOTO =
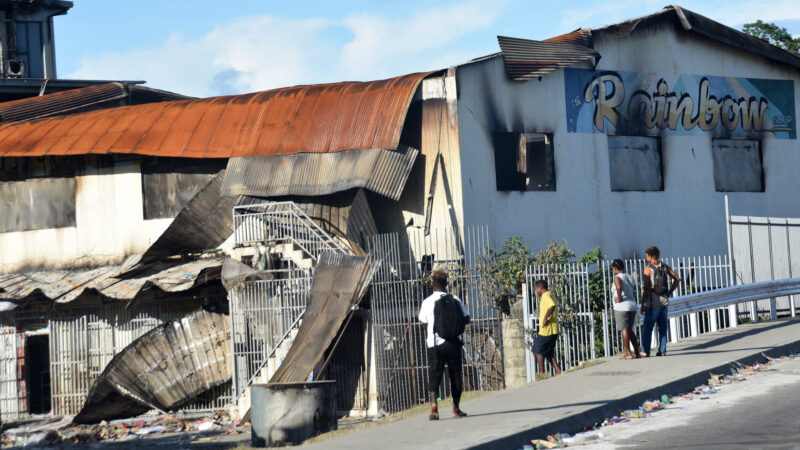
x=691, y=21
x=581, y=36
x=204, y=223
x=339, y=281
x=73, y=100
x=310, y=119
x=64, y=286
x=164, y=369
x=382, y=171
x=526, y=59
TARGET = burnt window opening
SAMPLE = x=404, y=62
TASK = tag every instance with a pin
x=524, y=162
x=738, y=165
x=635, y=163
x=169, y=183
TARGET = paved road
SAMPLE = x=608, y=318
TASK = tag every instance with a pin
x=510, y=418
x=760, y=412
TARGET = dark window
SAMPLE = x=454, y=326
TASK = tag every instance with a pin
x=37, y=193
x=635, y=163
x=169, y=183
x=737, y=165
x=37, y=204
x=524, y=162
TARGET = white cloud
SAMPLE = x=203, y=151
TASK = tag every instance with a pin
x=258, y=53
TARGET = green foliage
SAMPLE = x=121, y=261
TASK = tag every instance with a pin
x=775, y=35
x=503, y=272
x=555, y=253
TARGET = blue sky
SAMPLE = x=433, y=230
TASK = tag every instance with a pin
x=205, y=48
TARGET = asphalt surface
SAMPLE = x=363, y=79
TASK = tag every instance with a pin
x=760, y=412
x=511, y=418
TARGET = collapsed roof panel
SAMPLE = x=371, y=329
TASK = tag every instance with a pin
x=526, y=59
x=382, y=171
x=164, y=369
x=320, y=118
x=64, y=286
x=338, y=284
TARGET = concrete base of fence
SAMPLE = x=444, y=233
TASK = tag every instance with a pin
x=514, y=347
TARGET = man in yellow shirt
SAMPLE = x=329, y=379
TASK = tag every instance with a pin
x=545, y=344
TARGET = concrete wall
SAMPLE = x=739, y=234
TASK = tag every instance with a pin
x=109, y=226
x=687, y=218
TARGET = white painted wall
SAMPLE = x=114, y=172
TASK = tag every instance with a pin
x=687, y=218
x=110, y=225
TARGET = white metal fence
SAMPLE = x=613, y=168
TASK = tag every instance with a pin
x=263, y=314
x=397, y=293
x=82, y=340
x=698, y=274
x=764, y=248
x=569, y=285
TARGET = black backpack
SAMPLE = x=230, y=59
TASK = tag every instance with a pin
x=659, y=278
x=448, y=318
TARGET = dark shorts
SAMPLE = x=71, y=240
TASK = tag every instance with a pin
x=450, y=354
x=545, y=345
x=626, y=320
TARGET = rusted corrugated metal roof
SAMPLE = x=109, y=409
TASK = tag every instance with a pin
x=164, y=369
x=73, y=100
x=382, y=171
x=691, y=21
x=581, y=36
x=339, y=281
x=526, y=59
x=64, y=286
x=308, y=119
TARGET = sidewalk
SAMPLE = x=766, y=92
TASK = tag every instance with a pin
x=511, y=418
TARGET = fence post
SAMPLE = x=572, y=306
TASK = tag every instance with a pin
x=733, y=310
x=526, y=320
x=606, y=351
x=673, y=331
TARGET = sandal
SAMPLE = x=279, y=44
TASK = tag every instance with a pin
x=459, y=414
x=433, y=416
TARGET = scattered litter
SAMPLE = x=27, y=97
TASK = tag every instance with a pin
x=149, y=430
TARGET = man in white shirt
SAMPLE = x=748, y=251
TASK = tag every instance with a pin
x=441, y=351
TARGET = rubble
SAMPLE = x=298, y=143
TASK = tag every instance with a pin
x=47, y=432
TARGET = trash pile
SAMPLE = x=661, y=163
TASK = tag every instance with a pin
x=591, y=434
x=59, y=432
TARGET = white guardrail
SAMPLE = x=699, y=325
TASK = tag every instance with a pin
x=743, y=293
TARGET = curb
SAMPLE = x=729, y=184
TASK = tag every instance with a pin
x=576, y=422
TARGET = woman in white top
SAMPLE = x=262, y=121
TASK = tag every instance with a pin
x=625, y=308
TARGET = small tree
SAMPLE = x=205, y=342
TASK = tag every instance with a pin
x=501, y=273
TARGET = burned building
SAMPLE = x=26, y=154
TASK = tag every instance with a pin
x=115, y=218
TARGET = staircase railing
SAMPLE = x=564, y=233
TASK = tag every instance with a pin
x=282, y=222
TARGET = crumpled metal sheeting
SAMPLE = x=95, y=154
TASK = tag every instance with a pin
x=338, y=284
x=526, y=59
x=382, y=171
x=314, y=119
x=64, y=286
x=204, y=223
x=164, y=369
